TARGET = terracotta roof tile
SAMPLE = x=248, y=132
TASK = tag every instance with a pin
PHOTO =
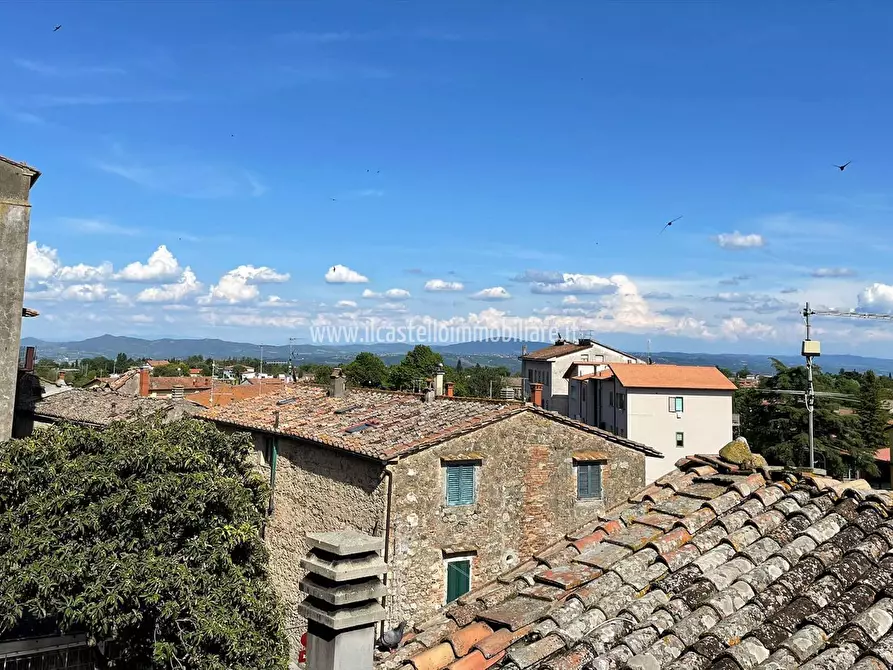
x=553, y=351
x=744, y=572
x=380, y=424
x=671, y=377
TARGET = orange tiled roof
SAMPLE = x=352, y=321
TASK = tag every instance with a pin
x=188, y=383
x=156, y=364
x=671, y=377
x=224, y=394
x=712, y=566
x=379, y=424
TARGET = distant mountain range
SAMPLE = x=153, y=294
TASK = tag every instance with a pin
x=485, y=352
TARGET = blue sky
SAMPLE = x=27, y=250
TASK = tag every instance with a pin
x=236, y=170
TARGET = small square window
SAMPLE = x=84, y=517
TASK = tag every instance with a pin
x=458, y=578
x=459, y=484
x=589, y=481
x=584, y=357
x=680, y=440
x=675, y=404
x=621, y=401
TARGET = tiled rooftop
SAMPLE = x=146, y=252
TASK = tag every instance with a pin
x=168, y=383
x=712, y=566
x=378, y=424
x=224, y=394
x=671, y=377
x=554, y=350
x=100, y=408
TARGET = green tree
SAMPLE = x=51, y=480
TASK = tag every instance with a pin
x=172, y=369
x=420, y=363
x=872, y=418
x=367, y=370
x=743, y=372
x=776, y=424
x=728, y=373
x=155, y=549
x=458, y=365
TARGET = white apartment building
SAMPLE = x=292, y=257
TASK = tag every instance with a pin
x=677, y=409
x=548, y=367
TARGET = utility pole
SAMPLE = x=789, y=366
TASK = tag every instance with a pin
x=809, y=349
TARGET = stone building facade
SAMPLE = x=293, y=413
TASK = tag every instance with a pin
x=379, y=462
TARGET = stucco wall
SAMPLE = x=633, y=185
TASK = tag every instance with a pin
x=526, y=499
x=706, y=423
x=317, y=489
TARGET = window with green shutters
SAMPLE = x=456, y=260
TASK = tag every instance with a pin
x=589, y=481
x=458, y=578
x=460, y=484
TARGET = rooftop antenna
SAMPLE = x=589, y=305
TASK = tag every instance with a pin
x=649, y=352
x=291, y=358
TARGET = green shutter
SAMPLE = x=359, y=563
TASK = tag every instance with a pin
x=460, y=484
x=458, y=579
x=589, y=481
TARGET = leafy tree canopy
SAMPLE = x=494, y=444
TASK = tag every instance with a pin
x=145, y=535
x=420, y=363
x=848, y=431
x=367, y=370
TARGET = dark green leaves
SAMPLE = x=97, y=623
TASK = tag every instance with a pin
x=145, y=534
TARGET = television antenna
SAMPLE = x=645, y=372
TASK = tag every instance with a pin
x=812, y=348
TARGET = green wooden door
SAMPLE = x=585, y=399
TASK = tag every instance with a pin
x=458, y=579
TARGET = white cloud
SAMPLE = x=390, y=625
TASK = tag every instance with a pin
x=539, y=277
x=390, y=294
x=441, y=285
x=186, y=286
x=877, y=298
x=42, y=262
x=240, y=284
x=737, y=328
x=493, y=293
x=346, y=304
x=575, y=283
x=79, y=293
x=341, y=274
x=826, y=273
x=84, y=273
x=162, y=265
x=738, y=240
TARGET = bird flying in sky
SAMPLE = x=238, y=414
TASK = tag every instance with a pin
x=59, y=27
x=843, y=167
x=669, y=223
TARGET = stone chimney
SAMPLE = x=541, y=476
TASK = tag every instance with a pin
x=343, y=586
x=177, y=392
x=536, y=394
x=438, y=379
x=144, y=382
x=16, y=180
x=337, y=383
x=60, y=378
x=449, y=389
x=428, y=395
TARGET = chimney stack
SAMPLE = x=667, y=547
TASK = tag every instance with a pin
x=337, y=383
x=536, y=394
x=343, y=587
x=177, y=393
x=438, y=380
x=60, y=379
x=449, y=389
x=144, y=382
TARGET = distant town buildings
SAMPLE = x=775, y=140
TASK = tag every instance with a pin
x=677, y=409
x=548, y=366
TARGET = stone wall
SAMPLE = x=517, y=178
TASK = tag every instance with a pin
x=317, y=489
x=526, y=499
